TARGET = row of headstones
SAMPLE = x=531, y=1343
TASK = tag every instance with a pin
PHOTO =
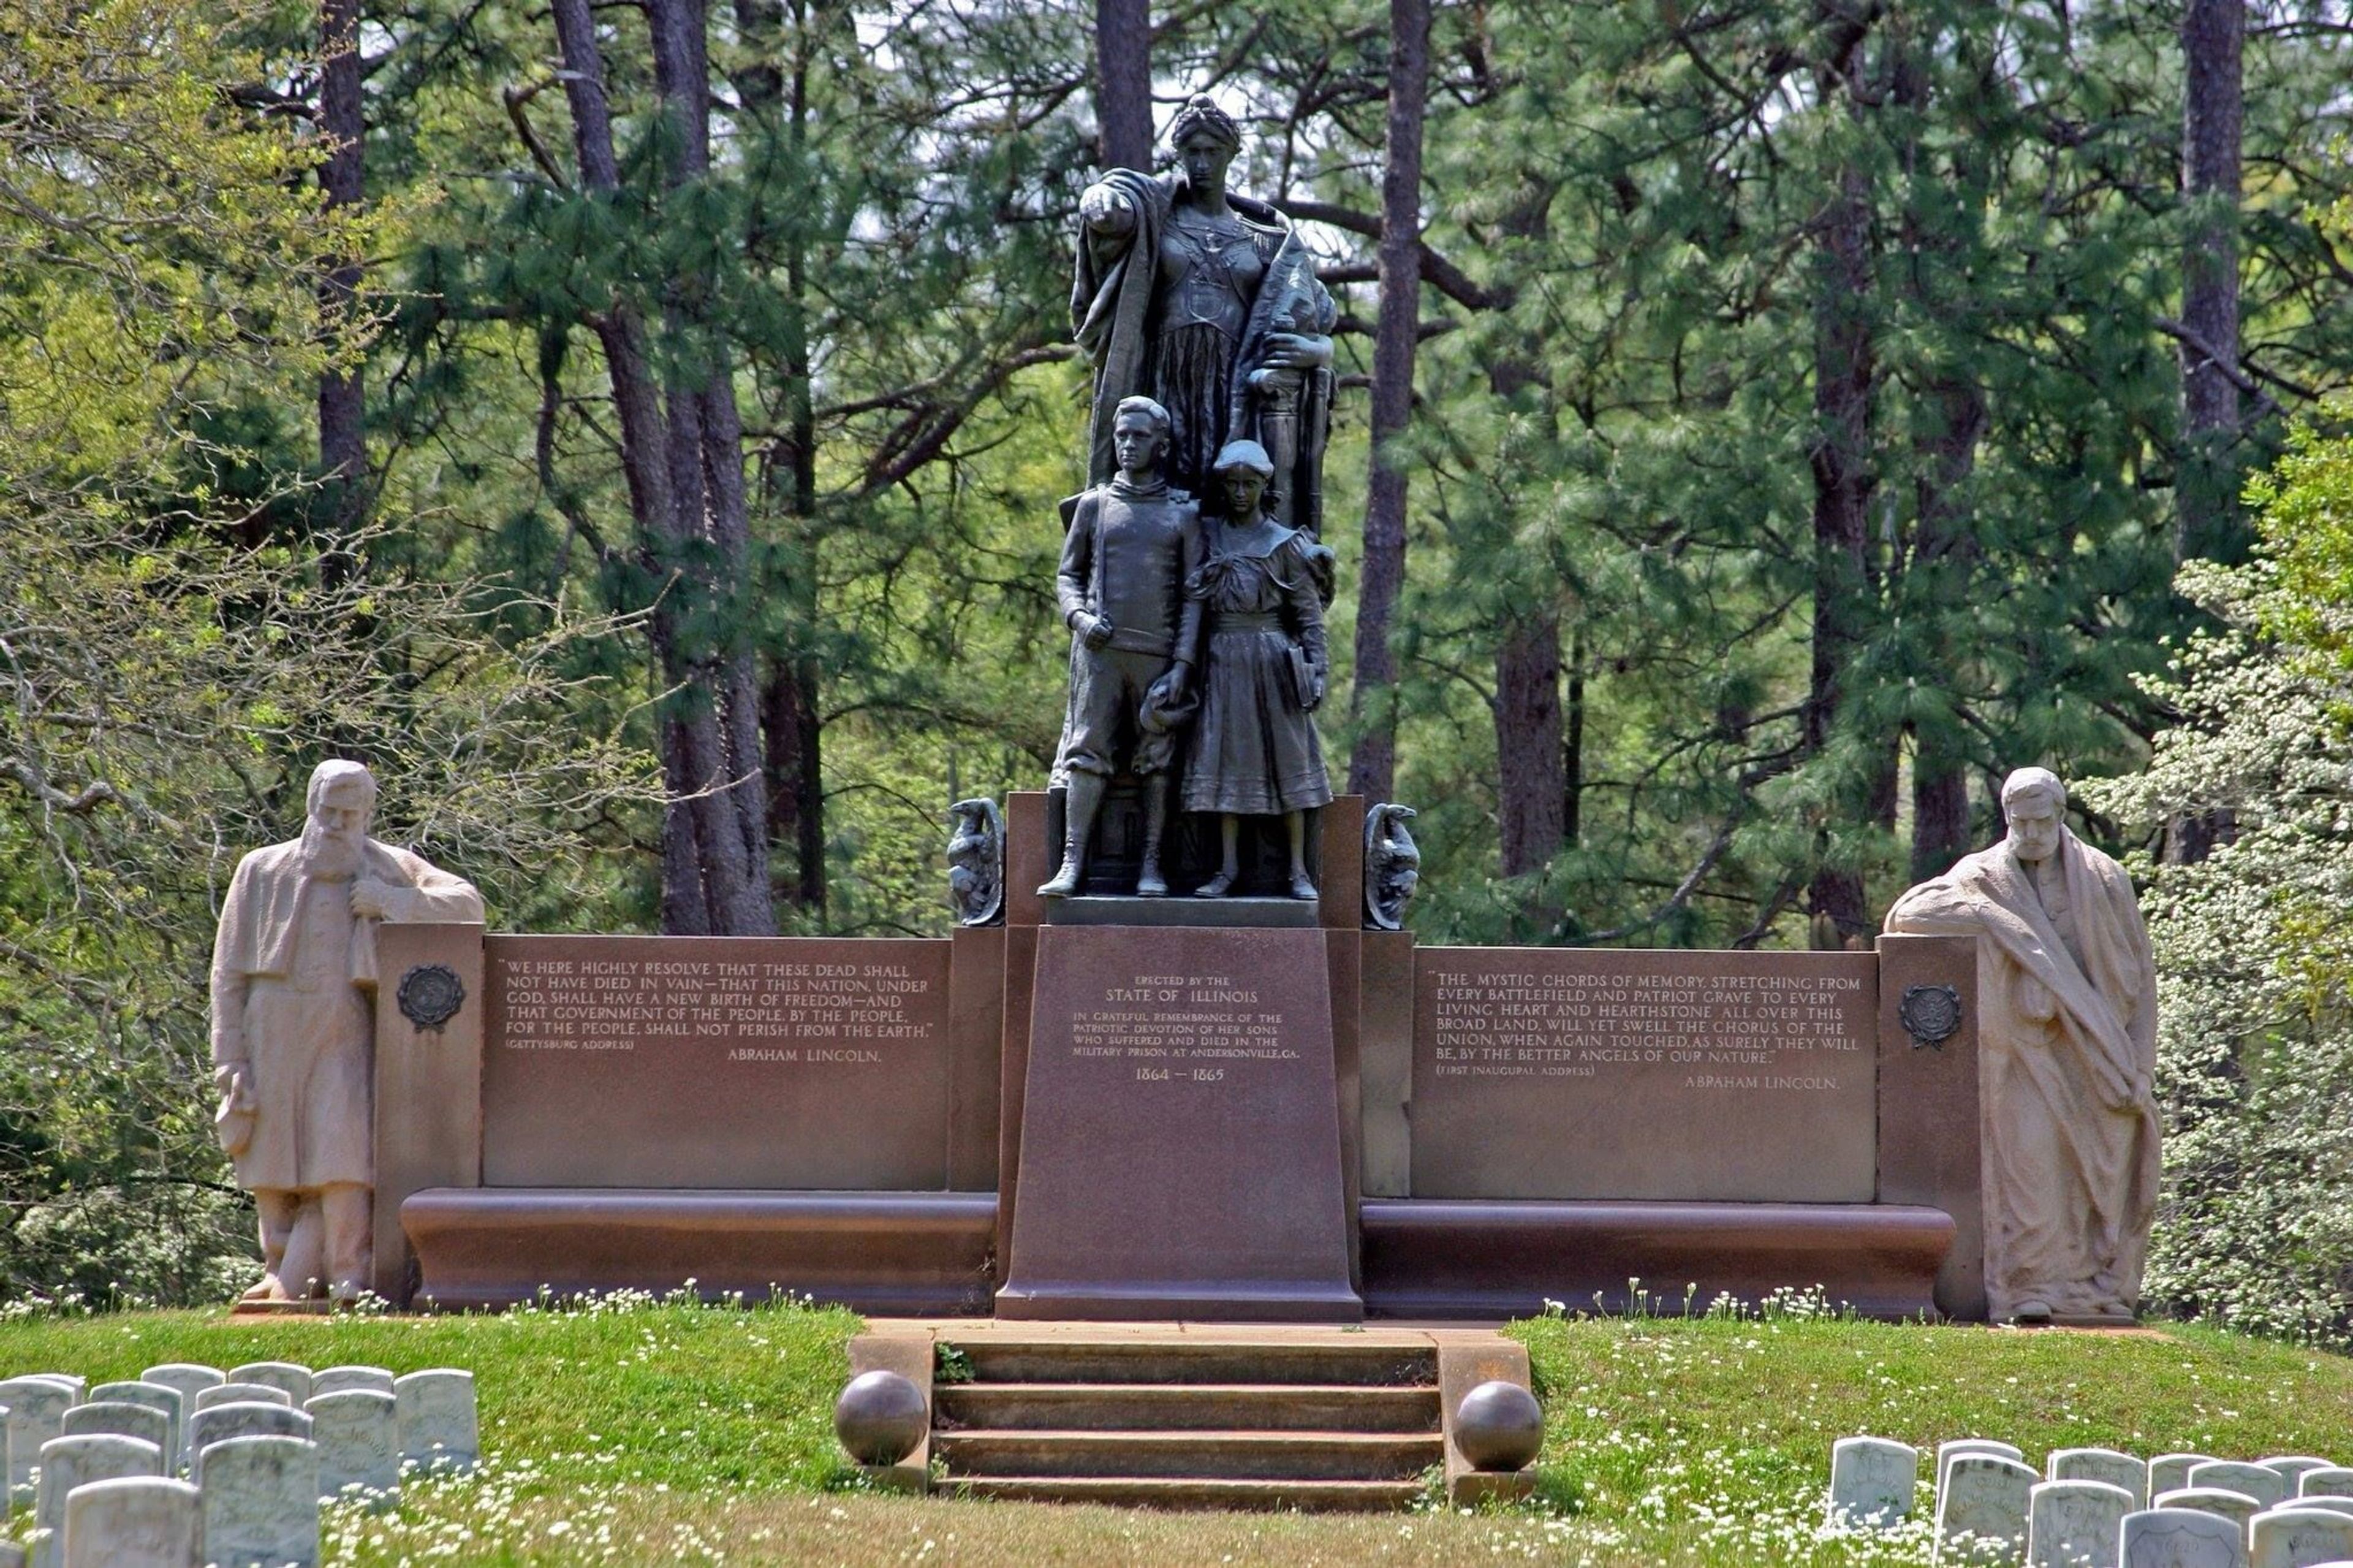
x=261, y=1446
x=2096, y=1507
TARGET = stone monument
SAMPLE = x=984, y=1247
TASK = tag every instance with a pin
x=2067, y=1031
x=293, y=977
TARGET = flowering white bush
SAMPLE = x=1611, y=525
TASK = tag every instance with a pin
x=2254, y=942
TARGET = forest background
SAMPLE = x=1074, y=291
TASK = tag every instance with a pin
x=634, y=426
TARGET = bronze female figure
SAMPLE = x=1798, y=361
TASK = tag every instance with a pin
x=1253, y=750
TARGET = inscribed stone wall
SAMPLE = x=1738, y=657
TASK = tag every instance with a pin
x=716, y=1062
x=1553, y=1073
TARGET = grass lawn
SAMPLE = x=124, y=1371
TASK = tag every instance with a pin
x=661, y=1434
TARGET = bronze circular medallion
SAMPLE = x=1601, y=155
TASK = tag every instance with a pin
x=1931, y=1015
x=430, y=994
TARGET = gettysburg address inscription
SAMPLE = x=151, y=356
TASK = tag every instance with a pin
x=1548, y=1073
x=686, y=1062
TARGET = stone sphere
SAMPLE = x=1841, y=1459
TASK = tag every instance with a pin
x=881, y=1418
x=1499, y=1426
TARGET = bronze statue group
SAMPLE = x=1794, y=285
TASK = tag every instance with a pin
x=1192, y=578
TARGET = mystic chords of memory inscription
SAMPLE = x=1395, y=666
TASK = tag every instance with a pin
x=1517, y=1025
x=1561, y=1073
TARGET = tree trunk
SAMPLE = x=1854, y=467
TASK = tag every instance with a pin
x=1372, y=766
x=1944, y=557
x=797, y=774
x=708, y=882
x=1841, y=459
x=791, y=718
x=342, y=408
x=2213, y=33
x=1572, y=760
x=1124, y=82
x=1529, y=754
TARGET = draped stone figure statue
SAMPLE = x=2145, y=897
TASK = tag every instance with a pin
x=293, y=1029
x=2067, y=1044
x=1206, y=302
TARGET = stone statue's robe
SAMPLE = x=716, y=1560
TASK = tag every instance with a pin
x=293, y=983
x=2067, y=1044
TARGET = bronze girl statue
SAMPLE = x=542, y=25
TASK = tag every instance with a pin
x=1253, y=750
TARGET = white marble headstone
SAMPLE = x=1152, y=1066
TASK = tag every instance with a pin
x=2293, y=1465
x=2260, y=1482
x=2237, y=1506
x=69, y=1462
x=2331, y=1501
x=295, y=1381
x=2182, y=1538
x=2170, y=1472
x=187, y=1379
x=36, y=1412
x=155, y=1396
x=255, y=1419
x=123, y=1418
x=2300, y=1538
x=2329, y=1481
x=2108, y=1465
x=438, y=1425
x=137, y=1522
x=1949, y=1450
x=358, y=1435
x=1872, y=1481
x=242, y=1394
x=1981, y=1510
x=337, y=1379
x=2076, y=1524
x=261, y=1503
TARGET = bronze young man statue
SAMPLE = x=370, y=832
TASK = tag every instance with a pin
x=1131, y=544
x=293, y=983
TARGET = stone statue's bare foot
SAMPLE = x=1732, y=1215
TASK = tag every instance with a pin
x=1217, y=886
x=2032, y=1315
x=266, y=1289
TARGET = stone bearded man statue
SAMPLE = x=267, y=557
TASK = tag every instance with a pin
x=2067, y=1036
x=293, y=983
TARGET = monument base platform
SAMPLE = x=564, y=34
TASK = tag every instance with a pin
x=1088, y=910
x=1444, y=1259
x=876, y=1252
x=1211, y=1303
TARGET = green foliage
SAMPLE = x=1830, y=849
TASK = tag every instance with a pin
x=2255, y=1048
x=171, y=671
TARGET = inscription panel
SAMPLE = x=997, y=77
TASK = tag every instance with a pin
x=788, y=1062
x=1557, y=1073
x=1181, y=1155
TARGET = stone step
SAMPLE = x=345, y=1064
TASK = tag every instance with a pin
x=1240, y=1358
x=1198, y=1493
x=1209, y=1454
x=1185, y=1407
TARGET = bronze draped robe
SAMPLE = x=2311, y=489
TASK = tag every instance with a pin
x=2066, y=1052
x=1112, y=316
